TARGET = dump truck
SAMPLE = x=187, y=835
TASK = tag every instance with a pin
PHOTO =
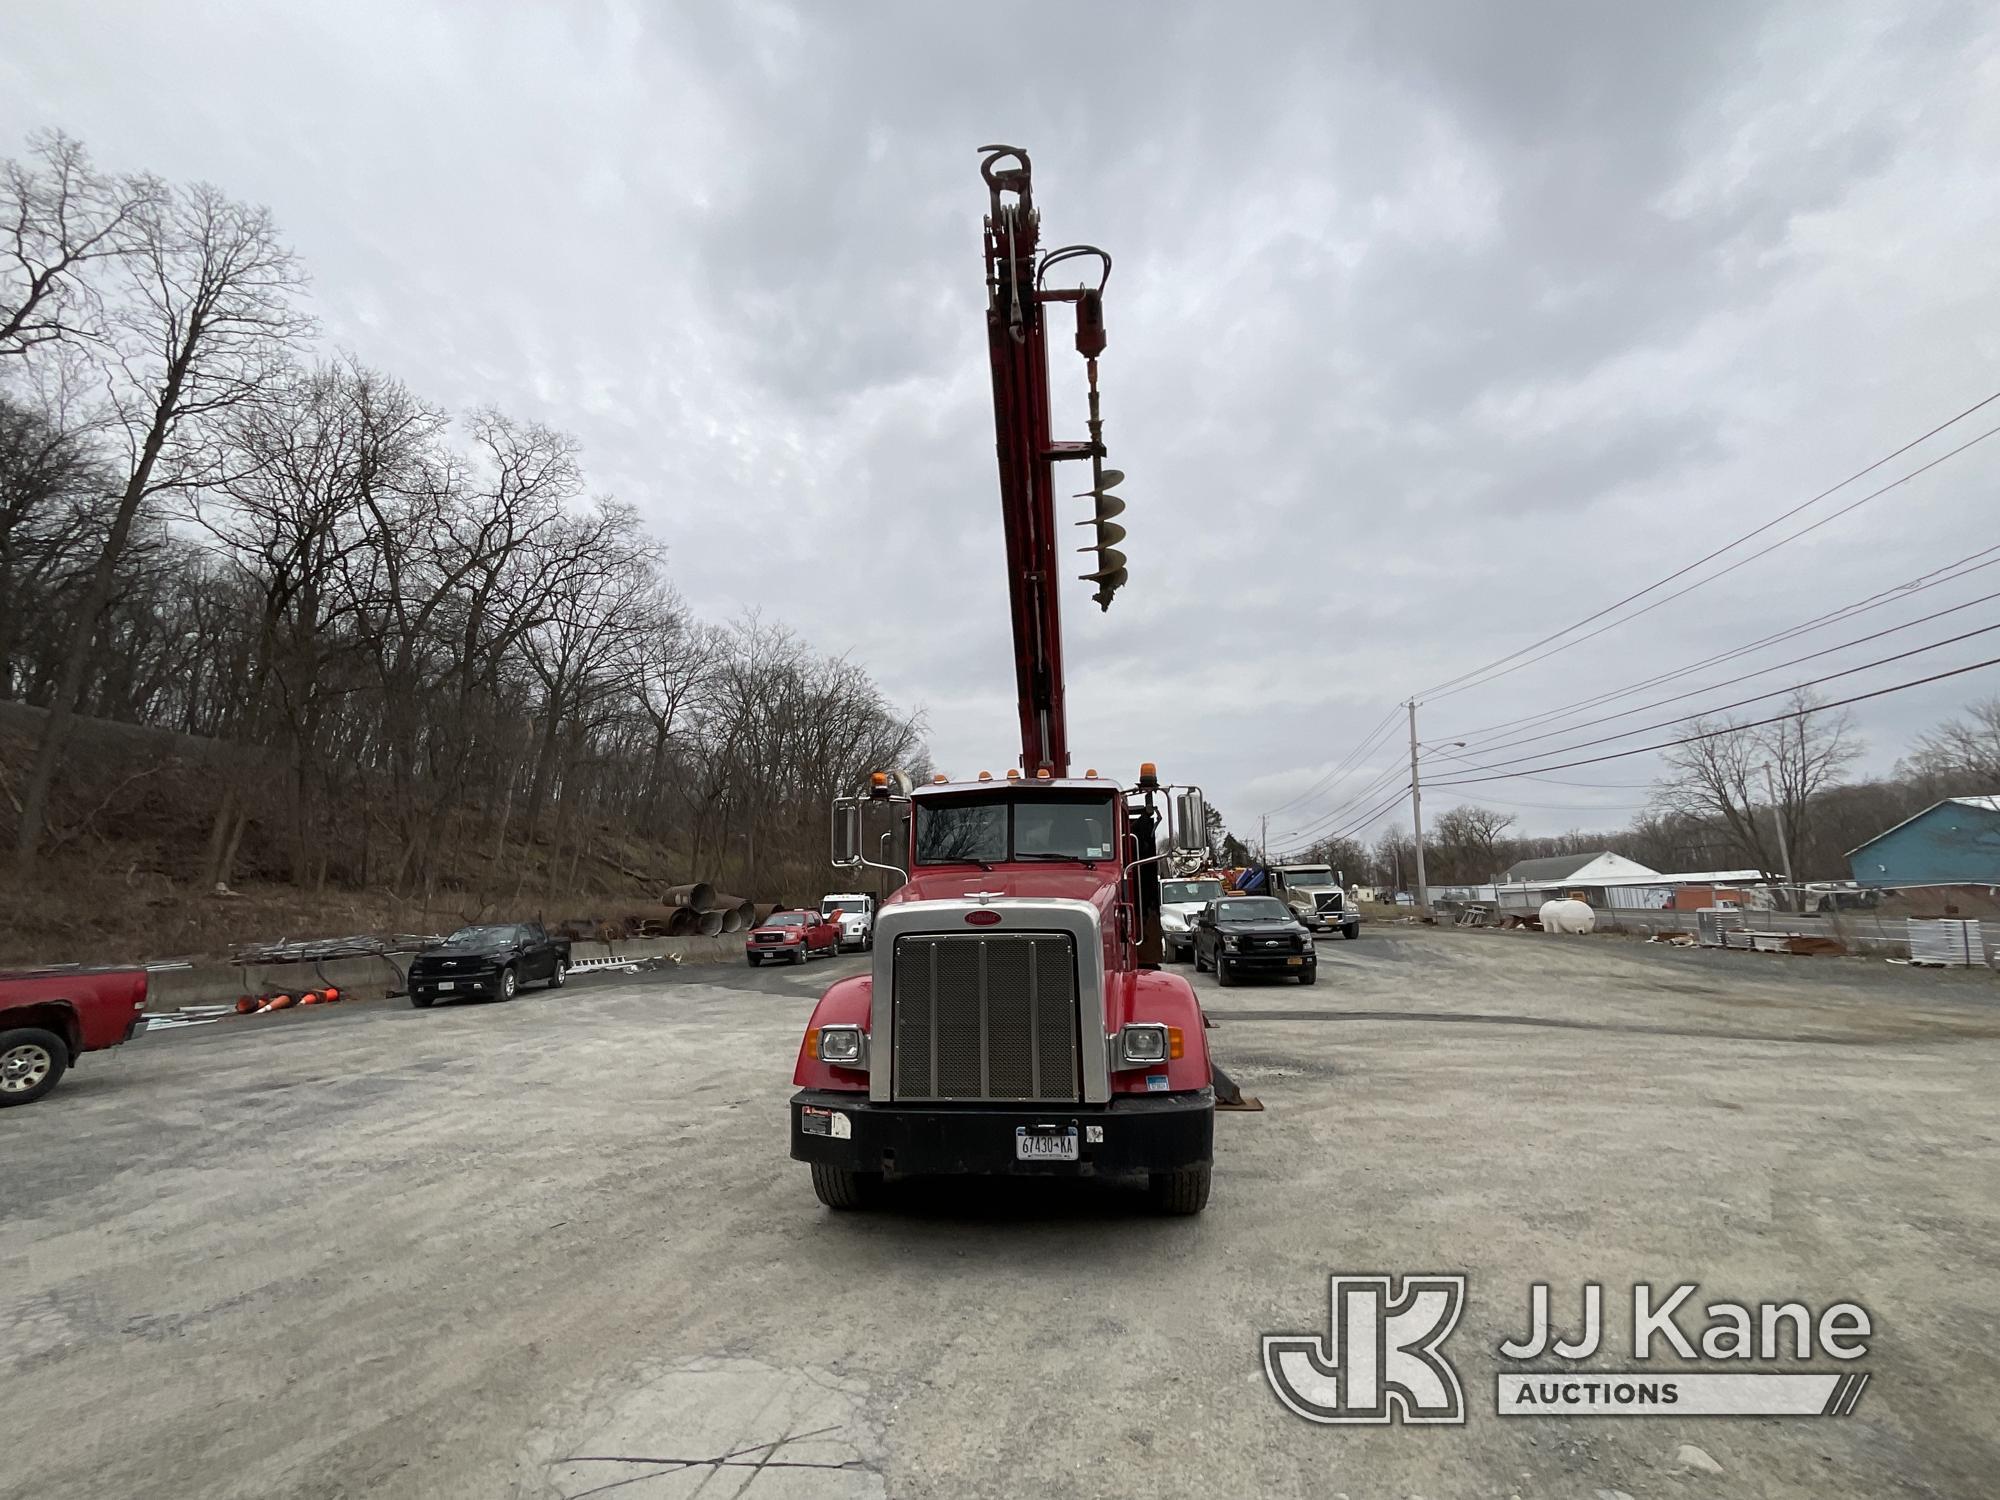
x=1015, y=1018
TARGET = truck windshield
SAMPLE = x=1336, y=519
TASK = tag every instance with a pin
x=854, y=905
x=1172, y=891
x=1308, y=875
x=484, y=935
x=786, y=919
x=990, y=830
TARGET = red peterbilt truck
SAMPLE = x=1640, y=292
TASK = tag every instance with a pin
x=51, y=1017
x=1016, y=1019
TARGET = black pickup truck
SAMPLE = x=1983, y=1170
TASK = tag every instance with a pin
x=493, y=960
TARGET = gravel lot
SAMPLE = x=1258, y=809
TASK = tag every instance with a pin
x=556, y=1246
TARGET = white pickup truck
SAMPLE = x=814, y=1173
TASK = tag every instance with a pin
x=856, y=916
x=1181, y=902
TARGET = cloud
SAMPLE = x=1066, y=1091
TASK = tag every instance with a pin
x=1432, y=327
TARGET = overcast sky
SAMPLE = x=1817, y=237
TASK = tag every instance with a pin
x=1434, y=327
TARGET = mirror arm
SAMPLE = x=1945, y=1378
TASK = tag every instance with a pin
x=859, y=863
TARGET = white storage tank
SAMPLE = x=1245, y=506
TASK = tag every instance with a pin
x=1568, y=916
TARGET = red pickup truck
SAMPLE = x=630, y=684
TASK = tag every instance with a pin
x=791, y=937
x=51, y=1017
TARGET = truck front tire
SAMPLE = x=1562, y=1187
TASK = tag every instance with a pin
x=561, y=973
x=1181, y=1192
x=843, y=1188
x=1351, y=931
x=32, y=1061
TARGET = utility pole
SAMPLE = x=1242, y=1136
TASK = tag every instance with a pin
x=1263, y=838
x=1417, y=812
x=1784, y=845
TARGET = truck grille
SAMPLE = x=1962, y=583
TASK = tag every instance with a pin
x=1328, y=901
x=986, y=1017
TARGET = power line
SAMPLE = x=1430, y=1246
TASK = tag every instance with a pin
x=1312, y=825
x=1626, y=713
x=1721, y=572
x=1735, y=728
x=1626, y=734
x=1605, y=786
x=1466, y=678
x=1350, y=829
x=1935, y=578
x=1332, y=776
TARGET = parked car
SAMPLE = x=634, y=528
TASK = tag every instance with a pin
x=51, y=1017
x=790, y=937
x=1181, y=903
x=856, y=916
x=1241, y=935
x=491, y=959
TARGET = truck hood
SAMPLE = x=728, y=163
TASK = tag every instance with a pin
x=1051, y=881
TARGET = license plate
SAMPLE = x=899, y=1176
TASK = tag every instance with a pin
x=1044, y=1145
x=1295, y=962
x=447, y=984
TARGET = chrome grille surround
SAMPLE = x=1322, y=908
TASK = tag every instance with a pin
x=986, y=1016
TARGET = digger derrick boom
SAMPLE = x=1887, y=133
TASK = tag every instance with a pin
x=1016, y=334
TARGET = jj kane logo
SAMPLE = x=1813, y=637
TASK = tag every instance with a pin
x=1381, y=1359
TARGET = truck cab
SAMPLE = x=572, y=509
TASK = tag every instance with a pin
x=856, y=915
x=1313, y=893
x=1014, y=1019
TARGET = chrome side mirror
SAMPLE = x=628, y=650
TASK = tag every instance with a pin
x=1191, y=821
x=846, y=833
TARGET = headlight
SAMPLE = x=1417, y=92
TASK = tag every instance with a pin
x=1306, y=942
x=1146, y=1043
x=1230, y=944
x=839, y=1045
x=1172, y=921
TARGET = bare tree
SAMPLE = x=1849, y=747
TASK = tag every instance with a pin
x=1729, y=776
x=1964, y=749
x=1465, y=842
x=59, y=216
x=205, y=317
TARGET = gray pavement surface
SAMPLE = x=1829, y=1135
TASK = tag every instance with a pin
x=556, y=1247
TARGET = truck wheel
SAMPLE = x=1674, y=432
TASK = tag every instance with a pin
x=1199, y=966
x=1180, y=1192
x=561, y=973
x=798, y=955
x=1224, y=975
x=1350, y=932
x=32, y=1061
x=422, y=1002
x=509, y=984
x=753, y=960
x=844, y=1188
x=1309, y=975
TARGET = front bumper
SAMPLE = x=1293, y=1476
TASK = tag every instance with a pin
x=1269, y=963
x=486, y=982
x=1134, y=1133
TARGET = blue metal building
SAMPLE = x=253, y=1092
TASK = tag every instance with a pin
x=1954, y=842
